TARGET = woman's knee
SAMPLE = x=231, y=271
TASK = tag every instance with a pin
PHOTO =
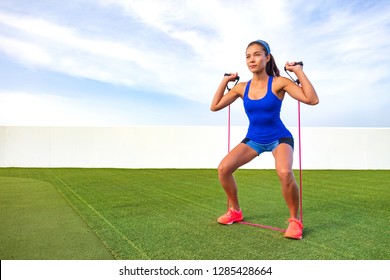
x=285, y=174
x=224, y=169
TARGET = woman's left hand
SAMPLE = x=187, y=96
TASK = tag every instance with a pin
x=292, y=66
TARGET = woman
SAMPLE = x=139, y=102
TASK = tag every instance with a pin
x=262, y=97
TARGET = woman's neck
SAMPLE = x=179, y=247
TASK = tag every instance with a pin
x=259, y=77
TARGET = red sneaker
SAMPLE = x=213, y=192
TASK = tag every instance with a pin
x=231, y=216
x=294, y=229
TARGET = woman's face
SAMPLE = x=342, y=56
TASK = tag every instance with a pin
x=256, y=58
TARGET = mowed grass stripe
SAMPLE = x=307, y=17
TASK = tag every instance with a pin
x=172, y=178
x=171, y=214
x=147, y=209
x=36, y=223
x=155, y=215
x=104, y=220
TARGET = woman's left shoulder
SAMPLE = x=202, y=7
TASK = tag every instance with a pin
x=280, y=82
x=280, y=79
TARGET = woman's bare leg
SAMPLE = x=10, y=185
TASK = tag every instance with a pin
x=239, y=156
x=283, y=160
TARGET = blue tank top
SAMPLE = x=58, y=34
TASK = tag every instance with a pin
x=265, y=125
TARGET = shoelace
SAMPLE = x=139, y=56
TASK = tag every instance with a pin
x=295, y=221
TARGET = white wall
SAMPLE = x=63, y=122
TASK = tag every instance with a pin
x=183, y=147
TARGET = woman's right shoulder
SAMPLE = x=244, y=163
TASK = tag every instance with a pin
x=240, y=88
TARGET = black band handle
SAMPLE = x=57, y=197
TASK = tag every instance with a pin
x=227, y=74
x=295, y=63
x=237, y=79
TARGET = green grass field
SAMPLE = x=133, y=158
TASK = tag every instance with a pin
x=169, y=214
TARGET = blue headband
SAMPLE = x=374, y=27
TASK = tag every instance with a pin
x=265, y=45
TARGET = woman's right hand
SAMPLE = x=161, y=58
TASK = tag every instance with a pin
x=231, y=77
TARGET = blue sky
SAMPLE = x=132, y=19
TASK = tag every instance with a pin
x=117, y=62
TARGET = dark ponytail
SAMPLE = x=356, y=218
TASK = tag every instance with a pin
x=271, y=69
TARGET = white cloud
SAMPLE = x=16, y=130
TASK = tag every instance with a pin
x=26, y=108
x=191, y=44
x=62, y=49
x=215, y=33
x=19, y=108
x=26, y=52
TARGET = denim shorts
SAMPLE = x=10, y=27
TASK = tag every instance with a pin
x=261, y=148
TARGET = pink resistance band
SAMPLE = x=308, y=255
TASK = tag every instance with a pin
x=300, y=172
